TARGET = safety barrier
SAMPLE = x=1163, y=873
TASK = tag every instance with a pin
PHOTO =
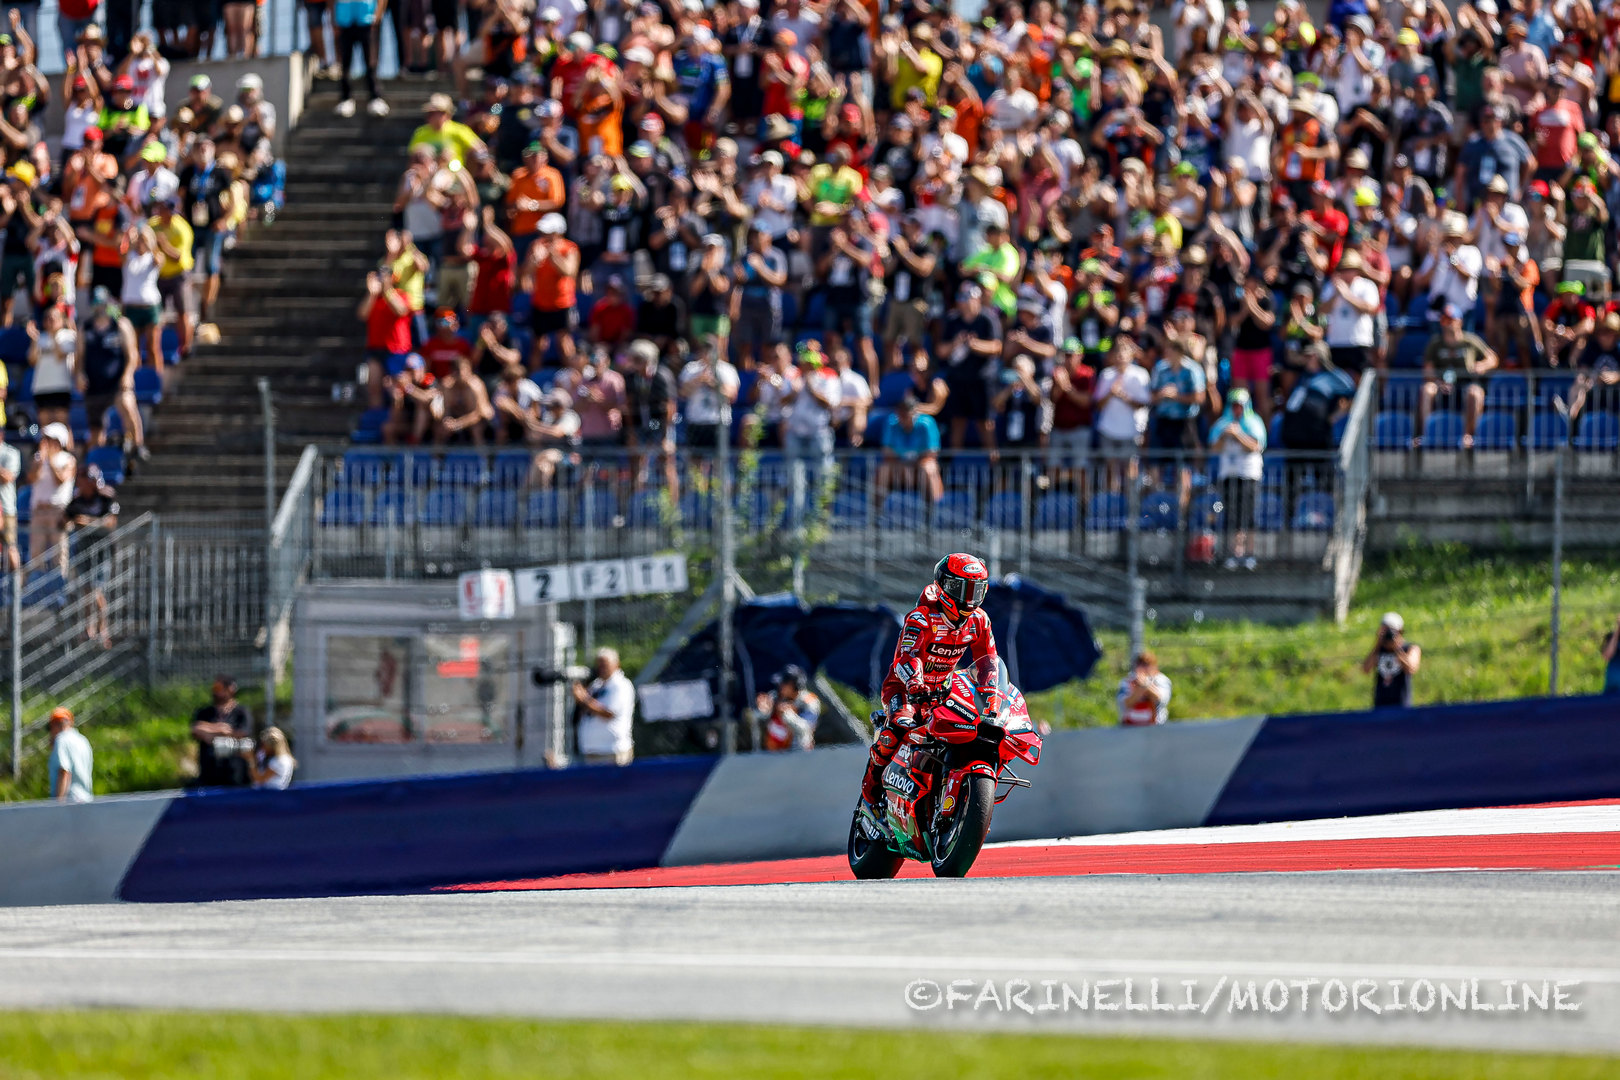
x=402, y=836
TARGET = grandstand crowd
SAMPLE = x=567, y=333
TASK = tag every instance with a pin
x=113, y=231
x=1054, y=227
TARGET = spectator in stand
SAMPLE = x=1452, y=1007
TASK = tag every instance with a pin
x=854, y=400
x=10, y=471
x=550, y=277
x=223, y=730
x=107, y=361
x=1144, y=694
x=516, y=400
x=446, y=346
x=386, y=311
x=607, y=706
x=789, y=712
x=809, y=404
x=1318, y=399
x=494, y=348
x=51, y=490
x=760, y=277
x=175, y=240
x=71, y=762
x=1351, y=299
x=971, y=347
x=1392, y=662
x=910, y=453
x=53, y=354
x=413, y=399
x=1239, y=438
x=355, y=21
x=651, y=396
x=709, y=388
x=661, y=314
x=1073, y=384
x=555, y=435
x=598, y=397
x=1454, y=365
x=1021, y=402
x=1566, y=324
x=613, y=318
x=1124, y=391
x=1598, y=371
x=271, y=765
x=464, y=411
x=207, y=202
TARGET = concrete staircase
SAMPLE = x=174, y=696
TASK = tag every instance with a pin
x=287, y=313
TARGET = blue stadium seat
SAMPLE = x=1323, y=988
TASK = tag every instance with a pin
x=1392, y=431
x=1548, y=430
x=849, y=510
x=646, y=509
x=110, y=460
x=22, y=390
x=1274, y=472
x=543, y=511
x=1207, y=512
x=1059, y=511
x=697, y=511
x=1339, y=424
x=343, y=506
x=1549, y=387
x=604, y=507
x=369, y=466
x=1269, y=514
x=444, y=506
x=1005, y=510
x=1597, y=431
x=463, y=468
x=1444, y=431
x=149, y=387
x=496, y=508
x=79, y=421
x=892, y=387
x=957, y=510
x=169, y=344
x=1409, y=352
x=1497, y=431
x=1402, y=391
x=877, y=418
x=904, y=511
x=968, y=470
x=1314, y=513
x=511, y=468
x=368, y=428
x=1274, y=435
x=1107, y=511
x=25, y=505
x=14, y=343
x=1509, y=390
x=1159, y=512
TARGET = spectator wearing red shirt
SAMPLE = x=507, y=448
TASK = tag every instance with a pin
x=496, y=260
x=1073, y=383
x=577, y=57
x=386, y=312
x=444, y=347
x=785, y=74
x=1557, y=127
x=612, y=318
x=551, y=277
x=1332, y=224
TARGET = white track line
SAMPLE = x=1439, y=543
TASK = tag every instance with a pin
x=807, y=962
x=1483, y=822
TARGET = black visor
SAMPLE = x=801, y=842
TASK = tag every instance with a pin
x=968, y=595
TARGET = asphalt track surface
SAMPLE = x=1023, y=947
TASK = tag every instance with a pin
x=846, y=953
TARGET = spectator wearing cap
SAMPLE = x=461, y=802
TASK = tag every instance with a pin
x=124, y=119
x=1455, y=363
x=809, y=402
x=551, y=278
x=650, y=397
x=701, y=76
x=661, y=314
x=1392, y=663
x=774, y=198
x=356, y=31
x=413, y=399
x=1069, y=443
x=911, y=265
x=152, y=181
x=784, y=83
x=1450, y=273
x=51, y=490
x=1351, y=301
x=444, y=346
x=1566, y=324
x=1586, y=221
x=440, y=131
x=71, y=762
x=537, y=191
x=1144, y=695
x=208, y=203
x=620, y=218
x=1303, y=147
x=1121, y=399
x=1177, y=385
x=612, y=318
x=761, y=275
x=1525, y=66
x=1408, y=63
x=910, y=453
x=788, y=712
x=53, y=354
x=1597, y=369
x=970, y=346
x=709, y=386
x=1362, y=59
x=1493, y=152
x=1318, y=399
x=711, y=297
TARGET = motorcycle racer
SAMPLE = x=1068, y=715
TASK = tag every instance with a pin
x=948, y=622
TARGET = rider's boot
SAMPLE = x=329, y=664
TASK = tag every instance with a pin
x=885, y=741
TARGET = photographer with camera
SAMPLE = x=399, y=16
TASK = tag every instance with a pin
x=1394, y=660
x=606, y=708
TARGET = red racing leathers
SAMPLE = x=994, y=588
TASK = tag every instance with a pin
x=929, y=650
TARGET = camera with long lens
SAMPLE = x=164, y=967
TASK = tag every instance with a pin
x=544, y=677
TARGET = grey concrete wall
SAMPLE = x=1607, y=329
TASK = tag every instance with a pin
x=770, y=806
x=55, y=853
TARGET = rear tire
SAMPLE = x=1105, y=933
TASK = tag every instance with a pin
x=955, y=851
x=870, y=859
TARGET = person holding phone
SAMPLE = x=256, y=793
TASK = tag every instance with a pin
x=1392, y=662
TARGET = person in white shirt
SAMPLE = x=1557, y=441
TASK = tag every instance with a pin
x=273, y=764
x=71, y=760
x=54, y=471
x=1452, y=271
x=1351, y=301
x=1144, y=694
x=773, y=195
x=854, y=396
x=607, y=708
x=1124, y=391
x=1362, y=59
x=708, y=388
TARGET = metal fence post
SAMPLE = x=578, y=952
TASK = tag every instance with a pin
x=16, y=674
x=728, y=562
x=1560, y=456
x=154, y=570
x=269, y=411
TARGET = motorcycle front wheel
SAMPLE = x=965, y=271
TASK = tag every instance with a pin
x=870, y=859
x=958, y=844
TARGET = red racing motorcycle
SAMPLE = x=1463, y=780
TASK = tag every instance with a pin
x=943, y=784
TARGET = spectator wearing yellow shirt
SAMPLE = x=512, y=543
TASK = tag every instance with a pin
x=833, y=186
x=442, y=133
x=409, y=267
x=912, y=63
x=996, y=268
x=175, y=262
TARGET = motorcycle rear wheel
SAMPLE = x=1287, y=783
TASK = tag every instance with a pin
x=958, y=846
x=869, y=859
